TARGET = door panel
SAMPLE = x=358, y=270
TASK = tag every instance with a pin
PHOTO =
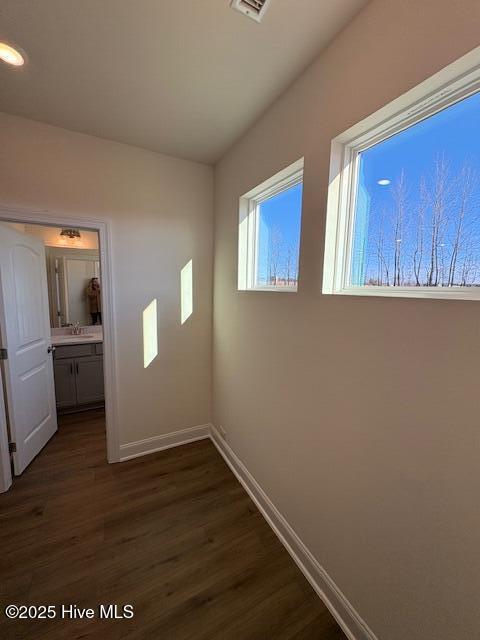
x=28, y=293
x=89, y=379
x=36, y=410
x=65, y=389
x=26, y=334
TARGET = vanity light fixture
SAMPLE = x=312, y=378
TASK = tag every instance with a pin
x=70, y=233
x=10, y=55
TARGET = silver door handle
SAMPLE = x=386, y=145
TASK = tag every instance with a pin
x=50, y=349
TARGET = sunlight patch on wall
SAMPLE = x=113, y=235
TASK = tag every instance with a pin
x=186, y=291
x=150, y=340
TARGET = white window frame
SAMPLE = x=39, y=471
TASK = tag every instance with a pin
x=248, y=226
x=454, y=83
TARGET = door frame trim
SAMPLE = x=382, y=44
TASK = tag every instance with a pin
x=102, y=226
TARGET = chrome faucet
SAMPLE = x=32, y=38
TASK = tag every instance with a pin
x=76, y=330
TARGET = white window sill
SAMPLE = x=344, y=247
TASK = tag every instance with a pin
x=273, y=288
x=435, y=293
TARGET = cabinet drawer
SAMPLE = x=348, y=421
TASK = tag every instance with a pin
x=99, y=348
x=74, y=351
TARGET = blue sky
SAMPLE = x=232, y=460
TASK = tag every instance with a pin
x=454, y=131
x=452, y=134
x=279, y=233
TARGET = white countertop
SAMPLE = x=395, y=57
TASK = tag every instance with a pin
x=86, y=338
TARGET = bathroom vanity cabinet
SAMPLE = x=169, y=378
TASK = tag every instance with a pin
x=78, y=370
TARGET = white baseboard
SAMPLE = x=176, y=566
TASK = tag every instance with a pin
x=166, y=441
x=352, y=624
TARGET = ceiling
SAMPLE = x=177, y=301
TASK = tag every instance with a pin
x=182, y=77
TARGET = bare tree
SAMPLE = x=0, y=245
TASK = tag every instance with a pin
x=467, y=266
x=428, y=236
x=418, y=252
x=465, y=187
x=399, y=198
x=275, y=246
x=438, y=215
x=382, y=263
x=291, y=263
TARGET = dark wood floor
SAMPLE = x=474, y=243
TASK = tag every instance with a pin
x=174, y=534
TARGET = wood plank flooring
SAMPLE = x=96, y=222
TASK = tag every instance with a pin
x=173, y=534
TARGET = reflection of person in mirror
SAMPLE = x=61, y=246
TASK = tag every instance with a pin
x=95, y=300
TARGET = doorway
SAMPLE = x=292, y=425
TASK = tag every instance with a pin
x=74, y=370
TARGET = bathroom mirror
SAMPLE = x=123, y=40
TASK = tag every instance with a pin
x=74, y=286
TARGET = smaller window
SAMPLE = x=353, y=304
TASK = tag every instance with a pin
x=269, y=232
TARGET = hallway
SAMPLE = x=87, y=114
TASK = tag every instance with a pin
x=174, y=534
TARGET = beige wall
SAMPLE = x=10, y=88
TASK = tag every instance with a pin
x=359, y=417
x=160, y=210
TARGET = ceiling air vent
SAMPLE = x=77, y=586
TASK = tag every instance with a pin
x=254, y=9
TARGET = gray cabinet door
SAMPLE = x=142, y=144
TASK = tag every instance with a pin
x=65, y=388
x=89, y=376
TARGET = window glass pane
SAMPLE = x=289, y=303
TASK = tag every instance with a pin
x=278, y=245
x=417, y=215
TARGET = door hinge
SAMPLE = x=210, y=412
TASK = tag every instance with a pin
x=12, y=447
x=3, y=354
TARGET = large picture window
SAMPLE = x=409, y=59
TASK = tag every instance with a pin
x=404, y=200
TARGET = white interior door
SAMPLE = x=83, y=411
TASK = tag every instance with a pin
x=25, y=329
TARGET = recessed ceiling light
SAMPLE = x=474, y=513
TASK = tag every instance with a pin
x=10, y=55
x=383, y=182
